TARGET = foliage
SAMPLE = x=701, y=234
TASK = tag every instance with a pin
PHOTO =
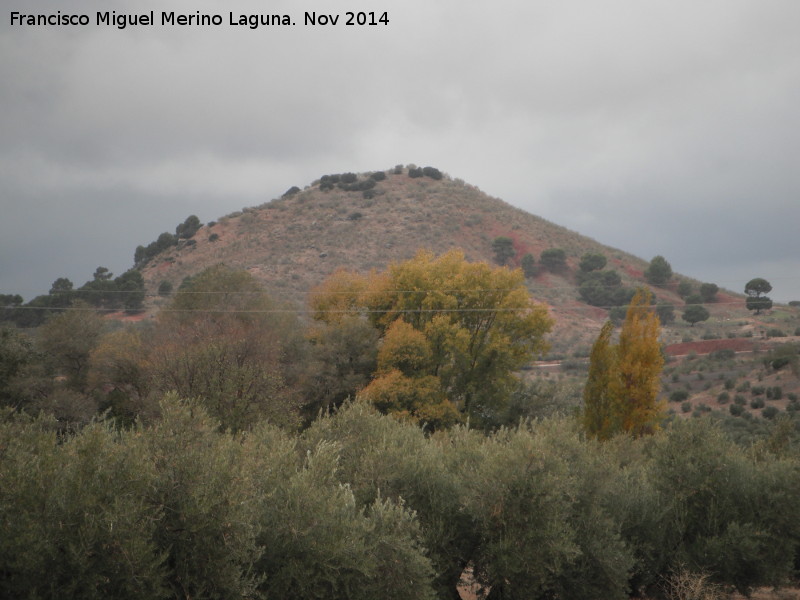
x=220, y=340
x=342, y=357
x=16, y=353
x=553, y=259
x=603, y=288
x=479, y=324
x=528, y=265
x=708, y=292
x=726, y=514
x=503, y=248
x=623, y=383
x=695, y=313
x=363, y=506
x=67, y=339
x=659, y=271
x=756, y=290
x=666, y=313
x=592, y=261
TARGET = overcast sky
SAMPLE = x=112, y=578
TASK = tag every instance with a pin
x=660, y=127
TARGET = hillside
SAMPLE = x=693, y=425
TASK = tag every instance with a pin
x=293, y=243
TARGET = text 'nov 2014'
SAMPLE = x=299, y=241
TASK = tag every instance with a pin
x=196, y=19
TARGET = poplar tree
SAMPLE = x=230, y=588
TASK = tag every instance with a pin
x=623, y=384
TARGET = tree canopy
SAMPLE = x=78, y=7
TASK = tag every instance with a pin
x=466, y=328
x=756, y=290
x=623, y=382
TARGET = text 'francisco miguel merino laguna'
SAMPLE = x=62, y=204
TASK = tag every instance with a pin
x=252, y=21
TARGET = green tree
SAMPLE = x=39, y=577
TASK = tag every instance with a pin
x=503, y=248
x=188, y=228
x=659, y=271
x=592, y=261
x=695, y=313
x=342, y=357
x=553, y=259
x=528, y=265
x=685, y=288
x=622, y=389
x=756, y=290
x=708, y=291
x=67, y=340
x=61, y=293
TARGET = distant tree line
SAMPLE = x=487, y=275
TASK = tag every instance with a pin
x=184, y=231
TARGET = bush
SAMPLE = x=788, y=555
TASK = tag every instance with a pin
x=678, y=396
x=775, y=332
x=686, y=407
x=736, y=409
x=723, y=397
x=432, y=172
x=164, y=288
x=757, y=403
x=770, y=412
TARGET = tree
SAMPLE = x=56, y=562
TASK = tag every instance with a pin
x=592, y=261
x=342, y=357
x=695, y=313
x=708, y=291
x=504, y=251
x=622, y=388
x=659, y=272
x=665, y=312
x=478, y=322
x=67, y=340
x=600, y=417
x=553, y=259
x=685, y=288
x=756, y=298
x=528, y=264
x=188, y=228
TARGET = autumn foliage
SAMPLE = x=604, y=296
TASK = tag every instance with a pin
x=453, y=333
x=623, y=382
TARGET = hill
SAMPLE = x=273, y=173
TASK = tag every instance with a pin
x=293, y=243
x=366, y=221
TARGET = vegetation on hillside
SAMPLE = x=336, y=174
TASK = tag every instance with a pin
x=226, y=446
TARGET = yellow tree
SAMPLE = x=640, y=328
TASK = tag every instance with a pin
x=621, y=394
x=478, y=322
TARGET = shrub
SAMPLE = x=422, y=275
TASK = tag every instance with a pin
x=757, y=403
x=378, y=176
x=291, y=191
x=686, y=407
x=775, y=332
x=678, y=396
x=164, y=288
x=432, y=172
x=770, y=412
x=736, y=409
x=723, y=397
x=213, y=237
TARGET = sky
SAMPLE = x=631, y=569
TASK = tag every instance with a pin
x=664, y=127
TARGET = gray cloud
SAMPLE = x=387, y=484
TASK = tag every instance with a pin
x=660, y=128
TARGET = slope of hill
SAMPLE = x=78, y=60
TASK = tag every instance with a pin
x=366, y=221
